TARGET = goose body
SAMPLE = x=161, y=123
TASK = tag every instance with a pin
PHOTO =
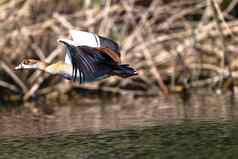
x=88, y=58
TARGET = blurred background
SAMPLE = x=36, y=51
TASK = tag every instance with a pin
x=174, y=45
x=182, y=103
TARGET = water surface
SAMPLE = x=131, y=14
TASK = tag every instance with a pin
x=204, y=125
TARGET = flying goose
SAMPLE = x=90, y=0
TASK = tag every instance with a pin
x=89, y=57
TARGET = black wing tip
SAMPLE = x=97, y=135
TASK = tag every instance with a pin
x=124, y=71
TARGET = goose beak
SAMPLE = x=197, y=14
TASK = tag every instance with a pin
x=18, y=67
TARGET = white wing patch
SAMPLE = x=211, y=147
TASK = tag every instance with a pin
x=67, y=59
x=85, y=38
x=80, y=38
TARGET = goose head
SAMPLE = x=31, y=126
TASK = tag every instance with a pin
x=31, y=64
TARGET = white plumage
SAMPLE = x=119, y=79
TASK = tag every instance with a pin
x=88, y=58
x=84, y=38
x=80, y=38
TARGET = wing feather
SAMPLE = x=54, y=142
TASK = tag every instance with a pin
x=112, y=54
x=88, y=63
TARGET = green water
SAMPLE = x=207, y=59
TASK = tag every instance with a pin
x=204, y=126
x=187, y=140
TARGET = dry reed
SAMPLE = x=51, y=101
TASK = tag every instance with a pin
x=172, y=44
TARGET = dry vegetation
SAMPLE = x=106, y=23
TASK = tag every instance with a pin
x=174, y=44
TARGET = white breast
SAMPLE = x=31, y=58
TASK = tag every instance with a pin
x=67, y=72
x=67, y=59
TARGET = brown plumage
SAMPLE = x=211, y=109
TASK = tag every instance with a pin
x=116, y=56
x=94, y=59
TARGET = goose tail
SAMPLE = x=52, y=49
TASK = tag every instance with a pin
x=124, y=71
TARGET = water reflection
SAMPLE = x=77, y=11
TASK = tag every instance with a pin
x=94, y=115
x=204, y=125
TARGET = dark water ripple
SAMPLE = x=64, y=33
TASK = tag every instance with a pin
x=204, y=126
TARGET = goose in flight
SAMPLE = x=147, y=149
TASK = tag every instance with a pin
x=88, y=58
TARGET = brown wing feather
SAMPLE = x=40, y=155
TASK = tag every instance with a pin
x=114, y=55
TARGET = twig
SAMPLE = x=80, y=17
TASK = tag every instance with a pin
x=9, y=86
x=154, y=70
x=38, y=51
x=13, y=76
x=220, y=20
x=36, y=86
x=63, y=21
x=231, y=6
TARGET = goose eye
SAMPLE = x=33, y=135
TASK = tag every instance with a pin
x=25, y=62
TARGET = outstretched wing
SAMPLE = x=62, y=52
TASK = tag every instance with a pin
x=115, y=56
x=81, y=38
x=89, y=63
x=108, y=43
